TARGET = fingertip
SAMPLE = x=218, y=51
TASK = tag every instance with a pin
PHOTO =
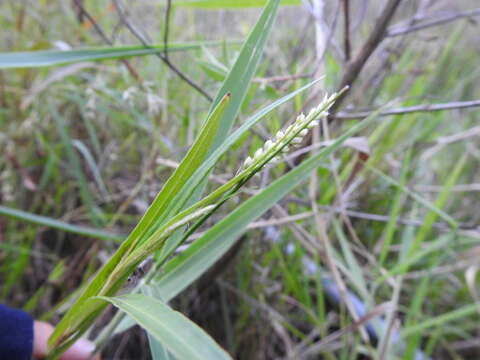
x=82, y=349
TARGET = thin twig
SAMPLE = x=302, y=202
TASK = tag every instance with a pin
x=447, y=269
x=328, y=257
x=387, y=338
x=376, y=36
x=281, y=78
x=167, y=27
x=411, y=109
x=355, y=66
x=83, y=12
x=466, y=229
x=358, y=323
x=162, y=56
x=391, y=55
x=346, y=29
x=98, y=29
x=443, y=141
x=396, y=30
x=454, y=188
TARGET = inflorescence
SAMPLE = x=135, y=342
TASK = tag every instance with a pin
x=292, y=135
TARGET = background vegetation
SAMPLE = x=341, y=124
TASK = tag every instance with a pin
x=375, y=257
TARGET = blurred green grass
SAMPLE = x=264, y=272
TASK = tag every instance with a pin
x=86, y=150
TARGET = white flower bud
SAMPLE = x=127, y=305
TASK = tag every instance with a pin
x=268, y=145
x=248, y=161
x=280, y=135
x=301, y=118
x=297, y=140
x=303, y=132
x=258, y=153
x=313, y=124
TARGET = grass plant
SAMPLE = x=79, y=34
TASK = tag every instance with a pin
x=240, y=227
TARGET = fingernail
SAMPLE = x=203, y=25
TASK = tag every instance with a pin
x=85, y=346
x=80, y=350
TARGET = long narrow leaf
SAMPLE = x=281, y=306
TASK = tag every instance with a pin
x=242, y=72
x=441, y=320
x=58, y=224
x=182, y=337
x=451, y=221
x=29, y=59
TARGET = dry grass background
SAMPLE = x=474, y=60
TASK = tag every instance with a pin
x=265, y=299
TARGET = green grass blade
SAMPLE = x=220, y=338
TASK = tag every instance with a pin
x=395, y=211
x=31, y=59
x=194, y=158
x=55, y=275
x=354, y=269
x=183, y=270
x=405, y=263
x=441, y=320
x=20, y=262
x=427, y=204
x=57, y=224
x=157, y=350
x=95, y=213
x=182, y=337
x=90, y=161
x=431, y=217
x=242, y=72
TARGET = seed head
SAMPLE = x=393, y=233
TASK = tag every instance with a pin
x=301, y=118
x=248, y=162
x=293, y=134
x=268, y=145
x=313, y=124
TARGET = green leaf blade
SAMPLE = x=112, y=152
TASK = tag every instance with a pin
x=58, y=224
x=33, y=59
x=183, y=338
x=242, y=72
